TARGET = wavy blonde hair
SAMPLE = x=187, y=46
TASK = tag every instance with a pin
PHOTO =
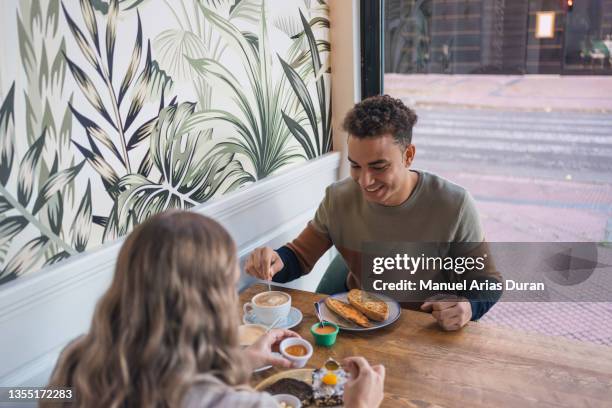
x=170, y=314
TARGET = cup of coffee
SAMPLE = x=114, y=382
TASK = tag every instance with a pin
x=250, y=333
x=269, y=306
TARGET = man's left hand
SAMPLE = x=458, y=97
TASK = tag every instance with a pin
x=451, y=314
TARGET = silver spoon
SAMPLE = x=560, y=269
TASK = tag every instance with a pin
x=271, y=276
x=318, y=312
x=270, y=327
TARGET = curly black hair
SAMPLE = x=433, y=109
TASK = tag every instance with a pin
x=379, y=115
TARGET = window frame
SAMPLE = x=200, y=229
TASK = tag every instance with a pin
x=372, y=40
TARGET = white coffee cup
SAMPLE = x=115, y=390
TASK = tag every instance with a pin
x=269, y=306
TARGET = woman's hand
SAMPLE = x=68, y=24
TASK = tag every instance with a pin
x=366, y=385
x=259, y=354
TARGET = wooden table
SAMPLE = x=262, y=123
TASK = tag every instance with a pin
x=480, y=366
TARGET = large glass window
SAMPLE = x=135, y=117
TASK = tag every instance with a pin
x=498, y=36
x=588, y=37
x=514, y=99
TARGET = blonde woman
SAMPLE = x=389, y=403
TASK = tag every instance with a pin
x=165, y=333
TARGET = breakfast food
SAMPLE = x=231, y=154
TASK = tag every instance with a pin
x=326, y=329
x=369, y=305
x=298, y=350
x=271, y=299
x=347, y=312
x=297, y=388
x=328, y=385
x=323, y=387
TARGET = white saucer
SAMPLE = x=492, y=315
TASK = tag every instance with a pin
x=293, y=319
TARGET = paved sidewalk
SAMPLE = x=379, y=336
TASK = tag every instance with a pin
x=509, y=92
x=525, y=209
x=528, y=209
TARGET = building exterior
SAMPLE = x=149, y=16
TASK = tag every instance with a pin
x=498, y=36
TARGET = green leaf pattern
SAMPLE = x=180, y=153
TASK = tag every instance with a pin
x=39, y=148
x=147, y=121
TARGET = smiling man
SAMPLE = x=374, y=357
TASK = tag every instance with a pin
x=385, y=200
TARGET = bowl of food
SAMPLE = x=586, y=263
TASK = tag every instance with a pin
x=287, y=401
x=325, y=333
x=297, y=350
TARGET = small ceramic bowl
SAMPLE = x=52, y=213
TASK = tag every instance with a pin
x=289, y=400
x=298, y=361
x=325, y=339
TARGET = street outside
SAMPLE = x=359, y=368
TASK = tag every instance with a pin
x=536, y=154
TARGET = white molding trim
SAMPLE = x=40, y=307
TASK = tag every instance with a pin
x=34, y=372
x=41, y=312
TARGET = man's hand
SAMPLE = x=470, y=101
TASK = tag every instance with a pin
x=259, y=354
x=263, y=263
x=451, y=314
x=365, y=388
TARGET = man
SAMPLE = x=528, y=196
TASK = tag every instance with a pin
x=383, y=201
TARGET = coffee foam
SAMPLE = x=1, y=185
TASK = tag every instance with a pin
x=271, y=299
x=248, y=334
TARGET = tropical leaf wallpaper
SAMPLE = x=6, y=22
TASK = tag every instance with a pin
x=114, y=110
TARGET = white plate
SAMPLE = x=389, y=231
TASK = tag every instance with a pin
x=293, y=319
x=326, y=314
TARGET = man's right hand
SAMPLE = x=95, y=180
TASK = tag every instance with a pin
x=366, y=385
x=263, y=263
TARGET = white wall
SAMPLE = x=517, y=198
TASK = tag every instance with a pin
x=40, y=313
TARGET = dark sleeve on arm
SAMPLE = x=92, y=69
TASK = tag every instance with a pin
x=480, y=307
x=291, y=270
x=482, y=300
x=469, y=241
x=488, y=278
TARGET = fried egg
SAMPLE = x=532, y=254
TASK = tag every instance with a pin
x=328, y=386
